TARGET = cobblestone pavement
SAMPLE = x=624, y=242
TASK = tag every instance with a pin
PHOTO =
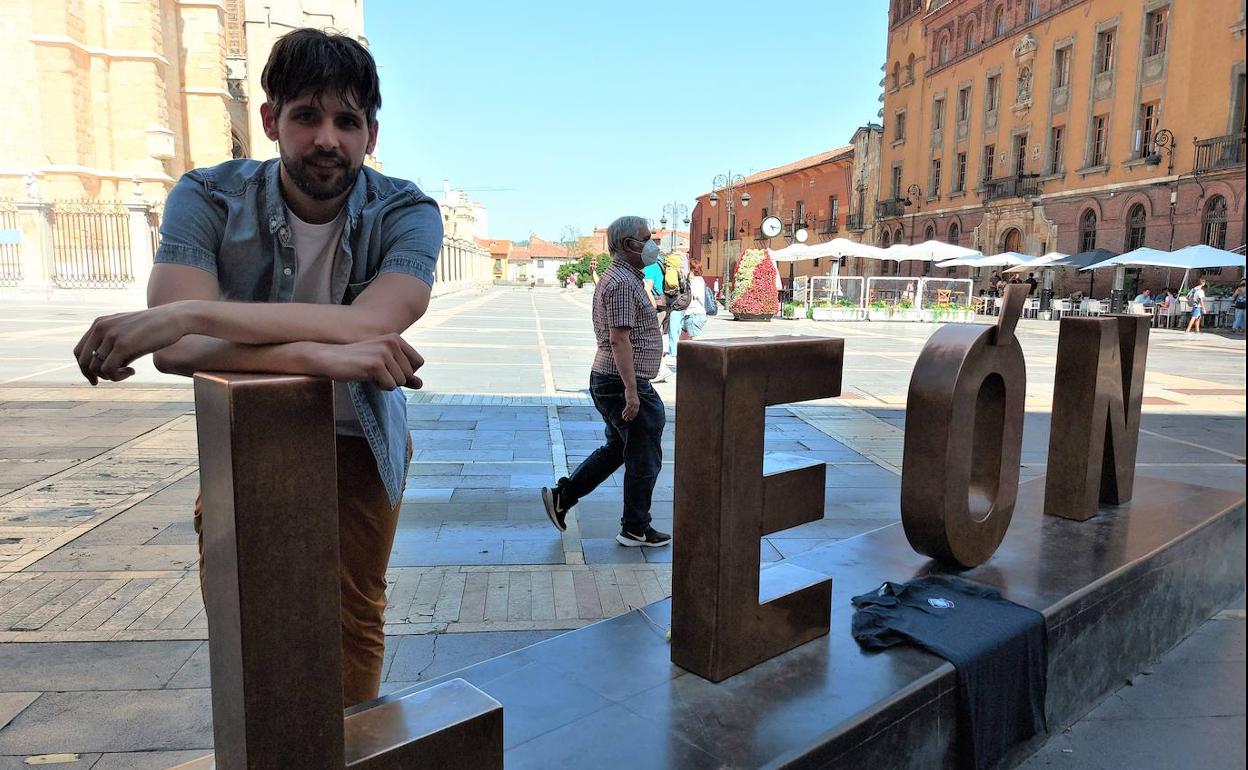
x=96, y=485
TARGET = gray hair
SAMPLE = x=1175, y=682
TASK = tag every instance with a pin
x=624, y=227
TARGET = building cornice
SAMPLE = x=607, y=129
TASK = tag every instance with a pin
x=76, y=170
x=120, y=54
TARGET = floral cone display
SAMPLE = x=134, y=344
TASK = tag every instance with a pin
x=754, y=295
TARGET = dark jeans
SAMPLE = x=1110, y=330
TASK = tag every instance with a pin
x=635, y=445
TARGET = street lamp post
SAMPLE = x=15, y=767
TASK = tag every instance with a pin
x=676, y=211
x=729, y=183
x=914, y=197
x=1163, y=141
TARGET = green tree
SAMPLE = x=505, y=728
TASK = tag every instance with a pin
x=581, y=268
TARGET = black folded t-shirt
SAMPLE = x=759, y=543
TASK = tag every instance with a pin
x=998, y=648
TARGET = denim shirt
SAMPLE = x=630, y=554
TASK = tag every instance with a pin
x=230, y=221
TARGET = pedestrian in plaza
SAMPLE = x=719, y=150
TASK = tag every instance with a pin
x=1238, y=303
x=626, y=327
x=676, y=297
x=695, y=314
x=1032, y=283
x=994, y=284
x=1196, y=300
x=313, y=264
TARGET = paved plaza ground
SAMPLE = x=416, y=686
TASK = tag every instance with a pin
x=102, y=629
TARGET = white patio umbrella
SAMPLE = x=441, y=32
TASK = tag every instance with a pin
x=1039, y=262
x=1143, y=257
x=1004, y=259
x=931, y=251
x=796, y=252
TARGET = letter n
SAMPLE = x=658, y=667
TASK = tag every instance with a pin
x=1095, y=430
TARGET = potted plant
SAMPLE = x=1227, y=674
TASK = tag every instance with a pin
x=879, y=310
x=848, y=310
x=754, y=293
x=792, y=311
x=905, y=311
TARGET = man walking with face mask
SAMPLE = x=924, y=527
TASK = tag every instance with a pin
x=630, y=346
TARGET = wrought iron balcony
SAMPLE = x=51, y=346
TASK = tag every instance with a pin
x=829, y=227
x=1011, y=187
x=894, y=207
x=1220, y=152
x=854, y=223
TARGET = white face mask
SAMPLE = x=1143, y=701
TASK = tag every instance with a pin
x=650, y=253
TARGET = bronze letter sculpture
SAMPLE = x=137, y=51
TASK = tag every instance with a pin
x=726, y=616
x=267, y=459
x=963, y=439
x=1095, y=430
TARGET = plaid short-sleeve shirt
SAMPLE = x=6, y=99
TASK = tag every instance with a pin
x=620, y=301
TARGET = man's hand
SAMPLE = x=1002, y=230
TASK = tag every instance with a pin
x=387, y=361
x=114, y=341
x=632, y=404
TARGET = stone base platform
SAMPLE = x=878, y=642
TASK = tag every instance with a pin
x=1117, y=591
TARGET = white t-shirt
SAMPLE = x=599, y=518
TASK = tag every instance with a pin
x=697, y=295
x=316, y=246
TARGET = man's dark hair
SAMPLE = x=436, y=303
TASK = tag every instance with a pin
x=311, y=61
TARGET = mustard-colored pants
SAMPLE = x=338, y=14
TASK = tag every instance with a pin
x=366, y=525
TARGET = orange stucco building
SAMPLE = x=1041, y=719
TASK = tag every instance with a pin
x=1041, y=125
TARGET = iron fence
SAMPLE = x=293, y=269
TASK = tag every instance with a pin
x=91, y=245
x=1011, y=187
x=10, y=245
x=854, y=223
x=1220, y=152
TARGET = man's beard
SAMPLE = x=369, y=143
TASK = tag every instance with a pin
x=305, y=176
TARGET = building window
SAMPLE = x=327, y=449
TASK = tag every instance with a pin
x=1033, y=9
x=964, y=104
x=834, y=209
x=942, y=52
x=541, y=263
x=1105, y=51
x=1239, y=120
x=929, y=233
x=1148, y=127
x=1213, y=223
x=938, y=114
x=1020, y=154
x=1136, y=226
x=801, y=213
x=954, y=233
x=1097, y=157
x=992, y=92
x=1056, y=135
x=1061, y=68
x=896, y=182
x=998, y=21
x=1087, y=231
x=896, y=75
x=899, y=127
x=990, y=159
x=969, y=43
x=886, y=239
x=910, y=69
x=1155, y=30
x=935, y=178
x=959, y=173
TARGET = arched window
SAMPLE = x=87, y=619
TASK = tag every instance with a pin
x=1087, y=230
x=910, y=69
x=1213, y=223
x=886, y=239
x=998, y=21
x=969, y=36
x=897, y=236
x=943, y=53
x=929, y=233
x=1013, y=240
x=1136, y=225
x=955, y=233
x=896, y=75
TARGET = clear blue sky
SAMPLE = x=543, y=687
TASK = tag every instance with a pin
x=584, y=111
